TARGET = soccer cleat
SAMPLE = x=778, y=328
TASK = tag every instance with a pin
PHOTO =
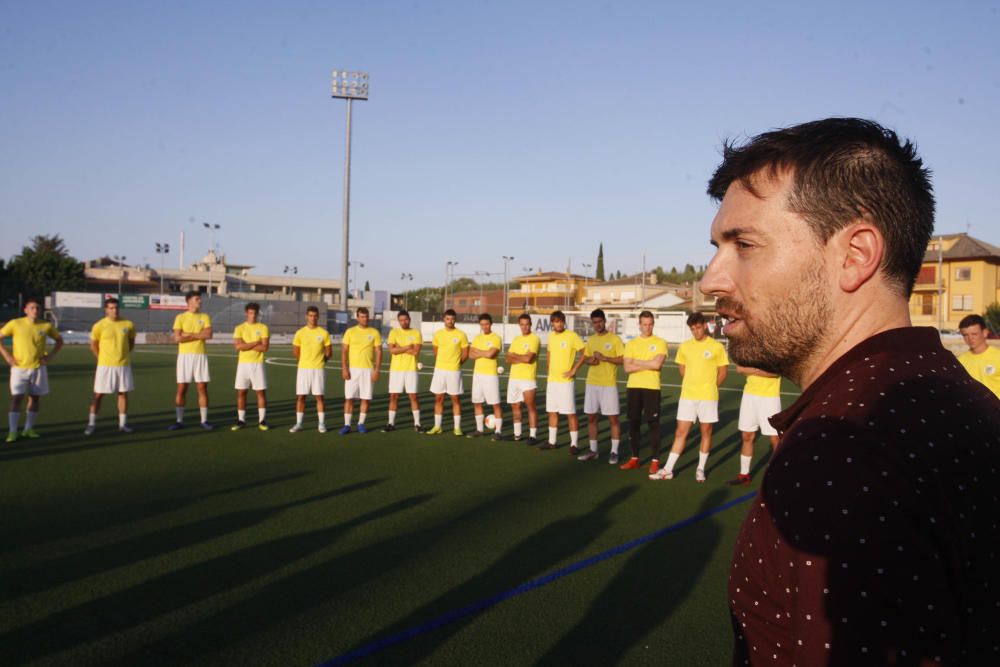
x=573, y=449
x=263, y=426
x=741, y=480
x=631, y=464
x=176, y=426
x=532, y=441
x=418, y=428
x=476, y=434
x=89, y=430
x=124, y=429
x=546, y=446
x=30, y=433
x=496, y=437
x=458, y=433
x=11, y=437
x=389, y=428
x=362, y=429
x=654, y=465
x=321, y=428
x=662, y=474
x=699, y=475
x=207, y=426
x=518, y=438
x=436, y=430
x=345, y=429
x=238, y=425
x=295, y=429
x=613, y=459
x=588, y=456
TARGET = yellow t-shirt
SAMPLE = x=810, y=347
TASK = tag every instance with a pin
x=251, y=333
x=701, y=361
x=449, y=344
x=487, y=342
x=311, y=343
x=562, y=349
x=192, y=323
x=645, y=349
x=29, y=340
x=984, y=367
x=525, y=345
x=404, y=338
x=604, y=374
x=762, y=386
x=113, y=338
x=361, y=344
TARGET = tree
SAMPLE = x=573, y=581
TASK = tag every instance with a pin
x=367, y=287
x=619, y=274
x=44, y=267
x=599, y=275
x=992, y=317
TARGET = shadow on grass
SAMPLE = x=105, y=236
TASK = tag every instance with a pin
x=655, y=580
x=48, y=574
x=178, y=589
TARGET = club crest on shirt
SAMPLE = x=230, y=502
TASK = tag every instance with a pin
x=562, y=345
x=990, y=370
x=371, y=337
x=652, y=348
x=525, y=346
x=607, y=346
x=455, y=341
x=707, y=354
x=319, y=339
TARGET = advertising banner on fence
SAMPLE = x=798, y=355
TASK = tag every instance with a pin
x=166, y=302
x=78, y=300
x=140, y=301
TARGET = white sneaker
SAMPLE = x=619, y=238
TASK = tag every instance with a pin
x=295, y=429
x=699, y=475
x=89, y=430
x=588, y=456
x=321, y=428
x=662, y=474
x=613, y=459
x=124, y=429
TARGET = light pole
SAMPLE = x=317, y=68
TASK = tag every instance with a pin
x=348, y=86
x=406, y=292
x=587, y=268
x=162, y=249
x=527, y=270
x=447, y=278
x=121, y=271
x=356, y=265
x=506, y=283
x=294, y=270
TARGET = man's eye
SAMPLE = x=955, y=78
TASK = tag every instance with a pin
x=743, y=245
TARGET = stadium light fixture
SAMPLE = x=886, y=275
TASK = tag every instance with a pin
x=350, y=86
x=448, y=268
x=356, y=265
x=506, y=297
x=162, y=249
x=406, y=292
x=121, y=271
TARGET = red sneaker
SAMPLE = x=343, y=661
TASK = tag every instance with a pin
x=741, y=480
x=631, y=464
x=654, y=465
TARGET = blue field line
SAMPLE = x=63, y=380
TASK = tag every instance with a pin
x=486, y=603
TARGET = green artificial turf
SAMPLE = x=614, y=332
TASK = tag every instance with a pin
x=274, y=548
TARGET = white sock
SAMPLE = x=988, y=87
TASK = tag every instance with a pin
x=702, y=459
x=348, y=418
x=322, y=418
x=457, y=421
x=437, y=420
x=12, y=419
x=480, y=422
x=261, y=414
x=29, y=420
x=241, y=415
x=593, y=445
x=180, y=414
x=122, y=418
x=532, y=432
x=671, y=461
x=299, y=416
x=362, y=417
x=392, y=417
x=614, y=446
x=517, y=429
x=553, y=431
x=416, y=417
x=92, y=419
x=745, y=464
x=574, y=438
x=499, y=423
x=204, y=414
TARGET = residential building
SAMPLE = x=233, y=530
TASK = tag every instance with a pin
x=960, y=276
x=547, y=291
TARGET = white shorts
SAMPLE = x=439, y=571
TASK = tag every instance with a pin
x=403, y=381
x=516, y=389
x=706, y=412
x=446, y=382
x=360, y=384
x=192, y=368
x=560, y=397
x=601, y=399
x=113, y=380
x=33, y=381
x=485, y=389
x=754, y=412
x=310, y=381
x=251, y=375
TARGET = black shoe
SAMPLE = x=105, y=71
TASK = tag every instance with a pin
x=533, y=441
x=496, y=437
x=418, y=428
x=238, y=425
x=546, y=446
x=573, y=449
x=176, y=426
x=389, y=428
x=476, y=434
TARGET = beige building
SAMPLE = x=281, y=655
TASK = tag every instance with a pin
x=960, y=276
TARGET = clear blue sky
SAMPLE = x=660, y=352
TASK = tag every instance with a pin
x=533, y=129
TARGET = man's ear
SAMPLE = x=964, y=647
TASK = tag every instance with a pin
x=859, y=249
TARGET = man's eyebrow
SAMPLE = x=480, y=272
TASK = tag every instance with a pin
x=730, y=234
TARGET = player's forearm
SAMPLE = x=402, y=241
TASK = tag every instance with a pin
x=723, y=372
x=95, y=349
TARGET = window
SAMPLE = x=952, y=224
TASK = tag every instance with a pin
x=926, y=304
x=961, y=302
x=927, y=275
x=963, y=273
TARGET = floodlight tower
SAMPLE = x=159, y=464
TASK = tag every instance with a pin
x=349, y=86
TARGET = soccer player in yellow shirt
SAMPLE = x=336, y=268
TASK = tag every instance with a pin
x=703, y=364
x=251, y=339
x=191, y=330
x=404, y=346
x=761, y=401
x=111, y=341
x=981, y=360
x=522, y=355
x=644, y=356
x=451, y=350
x=560, y=389
x=28, y=360
x=603, y=356
x=360, y=361
x=485, y=349
x=312, y=347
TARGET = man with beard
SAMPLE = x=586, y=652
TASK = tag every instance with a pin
x=874, y=537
